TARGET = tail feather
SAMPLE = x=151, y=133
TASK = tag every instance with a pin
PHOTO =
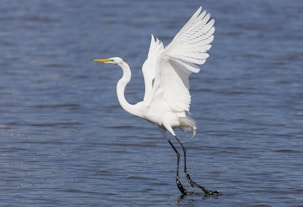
x=188, y=124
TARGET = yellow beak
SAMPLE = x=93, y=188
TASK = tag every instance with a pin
x=107, y=60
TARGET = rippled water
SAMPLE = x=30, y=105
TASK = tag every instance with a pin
x=65, y=141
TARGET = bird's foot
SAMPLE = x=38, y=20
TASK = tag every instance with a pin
x=207, y=194
x=211, y=193
x=205, y=190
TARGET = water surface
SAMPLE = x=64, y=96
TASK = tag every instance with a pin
x=65, y=141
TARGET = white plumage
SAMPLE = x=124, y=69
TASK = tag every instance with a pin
x=166, y=70
x=166, y=74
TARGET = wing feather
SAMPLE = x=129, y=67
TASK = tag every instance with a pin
x=170, y=67
x=148, y=69
x=193, y=41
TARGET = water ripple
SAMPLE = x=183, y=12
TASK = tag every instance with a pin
x=65, y=141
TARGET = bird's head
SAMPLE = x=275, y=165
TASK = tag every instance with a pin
x=112, y=60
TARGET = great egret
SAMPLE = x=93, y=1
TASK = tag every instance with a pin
x=166, y=75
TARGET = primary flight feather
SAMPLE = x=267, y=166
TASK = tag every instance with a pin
x=166, y=72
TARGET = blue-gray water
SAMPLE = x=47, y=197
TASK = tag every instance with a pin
x=65, y=141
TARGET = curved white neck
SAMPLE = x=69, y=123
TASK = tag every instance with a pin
x=120, y=89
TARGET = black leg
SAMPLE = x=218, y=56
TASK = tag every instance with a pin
x=191, y=182
x=179, y=185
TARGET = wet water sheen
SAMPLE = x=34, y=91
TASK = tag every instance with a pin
x=65, y=141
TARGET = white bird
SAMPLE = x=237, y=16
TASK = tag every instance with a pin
x=166, y=74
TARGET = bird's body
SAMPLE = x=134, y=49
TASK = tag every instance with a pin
x=166, y=74
x=155, y=110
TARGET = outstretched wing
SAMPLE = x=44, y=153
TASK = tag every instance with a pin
x=190, y=45
x=149, y=67
x=173, y=65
